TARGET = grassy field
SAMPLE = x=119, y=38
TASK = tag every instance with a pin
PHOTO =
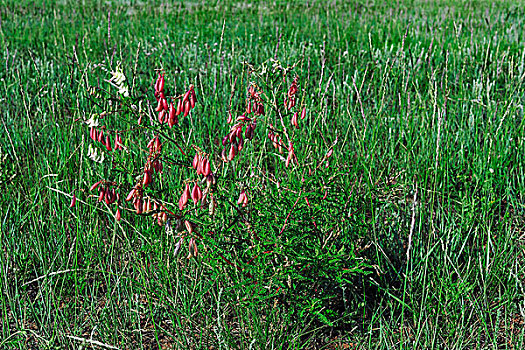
x=412, y=238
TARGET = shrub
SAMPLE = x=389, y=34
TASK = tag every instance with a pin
x=266, y=205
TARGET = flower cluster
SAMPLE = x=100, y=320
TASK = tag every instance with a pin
x=289, y=101
x=168, y=113
x=97, y=135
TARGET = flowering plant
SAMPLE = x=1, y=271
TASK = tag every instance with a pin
x=220, y=198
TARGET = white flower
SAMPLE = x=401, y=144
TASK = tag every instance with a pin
x=93, y=121
x=94, y=156
x=118, y=80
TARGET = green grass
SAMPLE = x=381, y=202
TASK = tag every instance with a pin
x=425, y=187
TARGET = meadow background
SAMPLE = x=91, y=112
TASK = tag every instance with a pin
x=426, y=182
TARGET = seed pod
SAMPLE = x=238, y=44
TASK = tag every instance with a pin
x=164, y=104
x=232, y=136
x=206, y=168
x=159, y=218
x=204, y=200
x=177, y=247
x=233, y=152
x=112, y=195
x=186, y=96
x=210, y=180
x=107, y=196
x=193, y=246
x=195, y=162
x=225, y=140
x=260, y=109
x=108, y=143
x=171, y=119
x=147, y=179
x=179, y=107
x=238, y=132
x=290, y=154
x=116, y=146
x=240, y=144
x=139, y=205
x=294, y=120
x=248, y=131
x=95, y=185
x=230, y=119
x=193, y=96
x=303, y=113
x=91, y=133
x=101, y=136
x=186, y=108
x=159, y=84
x=241, y=197
x=199, y=165
x=140, y=120
x=130, y=195
x=189, y=226
x=73, y=201
x=159, y=106
x=248, y=107
x=184, y=197
x=101, y=193
x=196, y=194
x=117, y=215
x=192, y=101
x=212, y=206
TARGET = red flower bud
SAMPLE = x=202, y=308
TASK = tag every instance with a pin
x=186, y=108
x=243, y=199
x=233, y=152
x=294, y=120
x=195, y=162
x=196, y=194
x=179, y=107
x=172, y=117
x=192, y=101
x=95, y=185
x=73, y=201
x=184, y=198
x=131, y=194
x=189, y=226
x=186, y=96
x=101, y=192
x=194, y=97
x=159, y=106
x=206, y=168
